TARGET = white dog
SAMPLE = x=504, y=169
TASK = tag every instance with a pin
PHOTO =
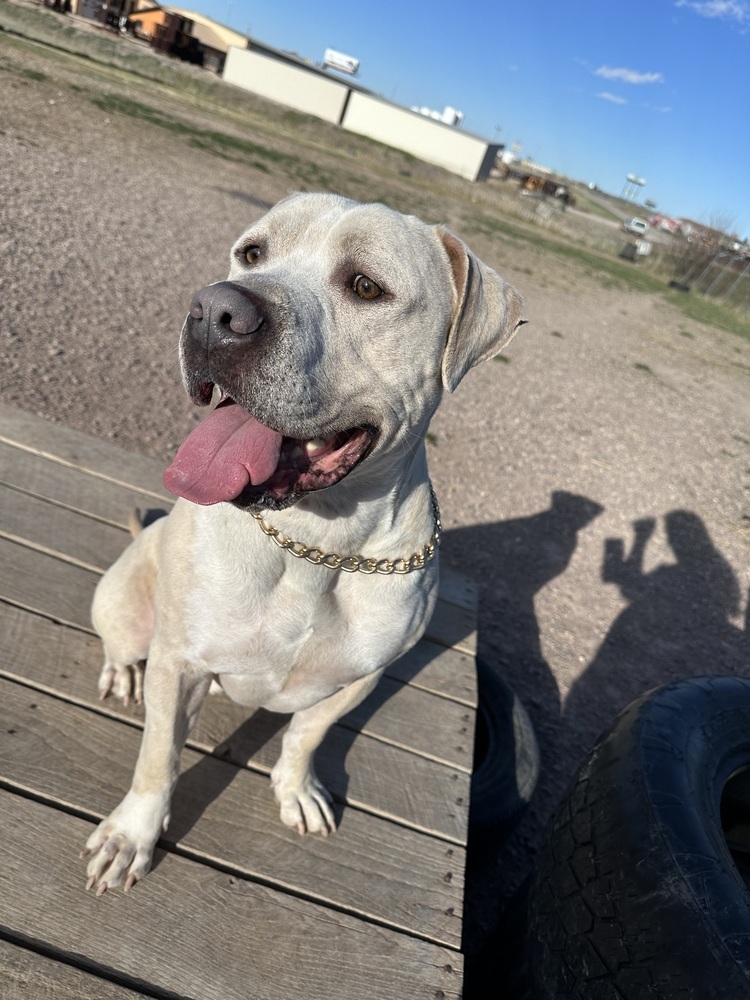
x=328, y=348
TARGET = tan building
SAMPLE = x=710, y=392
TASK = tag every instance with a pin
x=184, y=34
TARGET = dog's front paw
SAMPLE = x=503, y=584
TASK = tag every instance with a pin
x=125, y=682
x=305, y=805
x=119, y=851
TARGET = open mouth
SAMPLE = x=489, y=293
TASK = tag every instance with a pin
x=231, y=456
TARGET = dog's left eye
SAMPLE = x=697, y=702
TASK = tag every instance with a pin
x=366, y=288
x=252, y=253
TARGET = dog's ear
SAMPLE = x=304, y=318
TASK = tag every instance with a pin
x=487, y=312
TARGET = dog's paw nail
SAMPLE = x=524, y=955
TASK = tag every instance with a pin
x=129, y=883
x=90, y=882
x=102, y=889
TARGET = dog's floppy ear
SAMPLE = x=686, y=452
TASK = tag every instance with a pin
x=487, y=312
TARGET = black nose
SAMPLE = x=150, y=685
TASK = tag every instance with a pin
x=224, y=312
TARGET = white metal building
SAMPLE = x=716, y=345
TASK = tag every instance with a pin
x=290, y=81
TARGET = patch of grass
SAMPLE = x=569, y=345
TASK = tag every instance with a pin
x=502, y=358
x=34, y=74
x=431, y=438
x=307, y=173
x=710, y=312
x=641, y=367
x=586, y=204
x=614, y=273
x=296, y=118
x=555, y=333
x=217, y=143
x=687, y=333
x=741, y=439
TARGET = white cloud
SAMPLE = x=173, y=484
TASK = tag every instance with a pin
x=628, y=75
x=729, y=10
x=606, y=96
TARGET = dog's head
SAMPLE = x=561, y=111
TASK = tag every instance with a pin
x=329, y=346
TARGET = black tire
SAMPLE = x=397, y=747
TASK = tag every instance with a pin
x=637, y=893
x=506, y=755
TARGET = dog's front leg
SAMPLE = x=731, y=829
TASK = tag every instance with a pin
x=120, y=849
x=305, y=802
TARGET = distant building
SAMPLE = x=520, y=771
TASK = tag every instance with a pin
x=449, y=115
x=185, y=34
x=181, y=33
x=108, y=13
x=285, y=78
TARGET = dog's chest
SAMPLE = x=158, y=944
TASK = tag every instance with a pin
x=289, y=644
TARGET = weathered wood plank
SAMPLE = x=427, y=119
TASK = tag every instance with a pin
x=45, y=584
x=457, y=588
x=93, y=544
x=196, y=932
x=81, y=451
x=26, y=975
x=454, y=626
x=373, y=868
x=432, y=667
x=389, y=781
x=62, y=484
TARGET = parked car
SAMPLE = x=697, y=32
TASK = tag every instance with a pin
x=636, y=226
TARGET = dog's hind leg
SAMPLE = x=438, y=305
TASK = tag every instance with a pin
x=305, y=802
x=123, y=614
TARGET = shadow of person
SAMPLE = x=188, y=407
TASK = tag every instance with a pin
x=677, y=624
x=514, y=560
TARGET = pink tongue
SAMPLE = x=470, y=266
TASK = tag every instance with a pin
x=225, y=452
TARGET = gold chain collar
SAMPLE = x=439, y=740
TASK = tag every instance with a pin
x=359, y=564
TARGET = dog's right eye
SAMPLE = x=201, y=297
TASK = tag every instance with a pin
x=252, y=253
x=366, y=288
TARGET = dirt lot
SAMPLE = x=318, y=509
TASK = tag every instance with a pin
x=613, y=416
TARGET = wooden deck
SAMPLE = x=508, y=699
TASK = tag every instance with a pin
x=236, y=905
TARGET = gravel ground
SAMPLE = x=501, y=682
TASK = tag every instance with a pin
x=596, y=483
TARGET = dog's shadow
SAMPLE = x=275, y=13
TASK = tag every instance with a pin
x=207, y=779
x=256, y=743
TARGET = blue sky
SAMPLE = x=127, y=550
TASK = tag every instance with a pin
x=595, y=90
